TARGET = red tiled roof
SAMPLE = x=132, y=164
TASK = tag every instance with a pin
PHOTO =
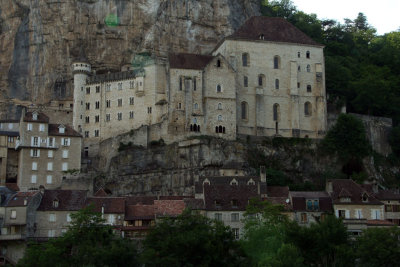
x=54, y=131
x=41, y=117
x=194, y=204
x=380, y=222
x=273, y=29
x=110, y=204
x=352, y=190
x=67, y=200
x=100, y=193
x=169, y=207
x=17, y=200
x=144, y=200
x=188, y=61
x=140, y=212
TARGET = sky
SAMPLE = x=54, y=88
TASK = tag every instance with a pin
x=383, y=15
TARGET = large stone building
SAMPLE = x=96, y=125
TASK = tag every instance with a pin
x=266, y=79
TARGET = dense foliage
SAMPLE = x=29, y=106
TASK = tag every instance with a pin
x=88, y=242
x=191, y=240
x=362, y=68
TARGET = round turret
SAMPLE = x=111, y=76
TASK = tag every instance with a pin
x=80, y=66
x=80, y=69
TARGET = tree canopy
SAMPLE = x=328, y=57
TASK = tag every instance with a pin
x=191, y=240
x=88, y=242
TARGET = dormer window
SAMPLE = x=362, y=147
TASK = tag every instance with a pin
x=61, y=129
x=345, y=199
x=25, y=202
x=34, y=116
x=365, y=197
x=206, y=182
x=251, y=182
x=261, y=36
x=55, y=203
x=234, y=182
x=217, y=203
x=235, y=203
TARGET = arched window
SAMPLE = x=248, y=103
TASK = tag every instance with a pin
x=276, y=62
x=198, y=128
x=220, y=129
x=298, y=68
x=218, y=63
x=245, y=81
x=308, y=68
x=298, y=54
x=180, y=83
x=261, y=80
x=276, y=112
x=195, y=127
x=196, y=106
x=223, y=129
x=219, y=89
x=245, y=59
x=309, y=88
x=307, y=109
x=219, y=117
x=244, y=110
x=219, y=106
x=308, y=54
x=216, y=129
x=276, y=83
x=191, y=128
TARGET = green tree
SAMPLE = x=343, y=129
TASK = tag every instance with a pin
x=347, y=138
x=191, y=240
x=88, y=242
x=322, y=244
x=379, y=247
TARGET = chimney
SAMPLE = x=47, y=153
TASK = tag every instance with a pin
x=263, y=174
x=329, y=187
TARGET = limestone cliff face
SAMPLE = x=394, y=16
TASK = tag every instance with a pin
x=40, y=38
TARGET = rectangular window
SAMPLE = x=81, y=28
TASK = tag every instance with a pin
x=96, y=133
x=97, y=104
x=194, y=84
x=41, y=127
x=358, y=214
x=86, y=134
x=111, y=219
x=108, y=87
x=29, y=127
x=375, y=214
x=245, y=81
x=179, y=105
x=87, y=90
x=51, y=142
x=131, y=100
x=149, y=110
x=304, y=218
x=65, y=141
x=235, y=217
x=50, y=153
x=119, y=116
x=13, y=214
x=138, y=222
x=87, y=106
x=33, y=179
x=120, y=102
x=64, y=166
x=49, y=166
x=49, y=179
x=35, y=141
x=87, y=119
x=342, y=213
x=97, y=118
x=34, y=166
x=52, y=217
x=236, y=233
x=108, y=103
x=131, y=84
x=65, y=154
x=11, y=139
x=51, y=233
x=97, y=89
x=119, y=86
x=68, y=217
x=108, y=116
x=218, y=216
x=35, y=153
x=131, y=114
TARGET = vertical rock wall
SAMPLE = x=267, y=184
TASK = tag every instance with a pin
x=40, y=38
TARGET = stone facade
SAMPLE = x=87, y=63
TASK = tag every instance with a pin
x=251, y=85
x=45, y=151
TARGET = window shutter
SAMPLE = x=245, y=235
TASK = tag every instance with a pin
x=32, y=140
x=31, y=152
x=337, y=213
x=347, y=214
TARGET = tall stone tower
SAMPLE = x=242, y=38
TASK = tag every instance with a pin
x=80, y=69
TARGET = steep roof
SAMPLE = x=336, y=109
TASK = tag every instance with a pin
x=144, y=200
x=299, y=199
x=387, y=195
x=349, y=189
x=110, y=204
x=68, y=200
x=188, y=61
x=54, y=131
x=272, y=29
x=140, y=212
x=169, y=207
x=18, y=199
x=40, y=118
x=226, y=180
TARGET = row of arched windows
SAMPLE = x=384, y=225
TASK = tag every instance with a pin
x=277, y=60
x=194, y=128
x=261, y=81
x=219, y=129
x=275, y=110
